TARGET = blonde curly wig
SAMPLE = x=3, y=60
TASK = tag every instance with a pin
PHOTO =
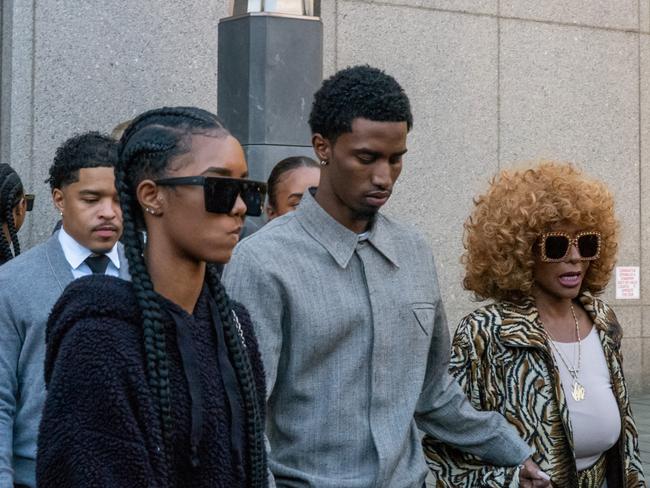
x=501, y=232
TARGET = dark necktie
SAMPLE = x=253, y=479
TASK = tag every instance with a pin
x=97, y=264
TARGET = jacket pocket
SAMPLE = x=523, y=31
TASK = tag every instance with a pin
x=424, y=315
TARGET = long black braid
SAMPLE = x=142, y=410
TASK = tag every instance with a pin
x=146, y=148
x=241, y=361
x=11, y=191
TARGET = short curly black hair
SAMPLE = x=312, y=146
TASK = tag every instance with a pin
x=358, y=92
x=88, y=150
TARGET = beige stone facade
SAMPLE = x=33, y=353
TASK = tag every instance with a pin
x=492, y=82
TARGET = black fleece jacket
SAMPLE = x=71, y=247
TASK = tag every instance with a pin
x=96, y=429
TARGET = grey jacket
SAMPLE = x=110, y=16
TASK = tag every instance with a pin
x=356, y=349
x=29, y=286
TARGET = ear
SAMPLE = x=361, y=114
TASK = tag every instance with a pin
x=58, y=198
x=322, y=147
x=20, y=210
x=270, y=212
x=150, y=197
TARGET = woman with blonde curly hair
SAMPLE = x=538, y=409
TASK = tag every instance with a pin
x=546, y=353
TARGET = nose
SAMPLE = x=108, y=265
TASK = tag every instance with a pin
x=109, y=209
x=382, y=175
x=574, y=254
x=239, y=208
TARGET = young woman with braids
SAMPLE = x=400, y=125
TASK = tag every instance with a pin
x=158, y=382
x=14, y=205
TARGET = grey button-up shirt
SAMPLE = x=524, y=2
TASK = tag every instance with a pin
x=356, y=347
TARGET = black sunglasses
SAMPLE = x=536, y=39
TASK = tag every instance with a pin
x=220, y=192
x=29, y=201
x=556, y=245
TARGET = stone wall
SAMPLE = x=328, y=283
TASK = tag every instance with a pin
x=493, y=83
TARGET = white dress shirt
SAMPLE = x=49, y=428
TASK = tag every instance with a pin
x=76, y=255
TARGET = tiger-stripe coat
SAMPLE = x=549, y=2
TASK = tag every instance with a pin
x=501, y=358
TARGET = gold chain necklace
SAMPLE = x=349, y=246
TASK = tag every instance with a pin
x=577, y=389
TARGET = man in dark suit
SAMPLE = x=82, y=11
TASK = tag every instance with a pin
x=83, y=190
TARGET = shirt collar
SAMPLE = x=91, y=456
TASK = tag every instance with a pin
x=337, y=239
x=76, y=254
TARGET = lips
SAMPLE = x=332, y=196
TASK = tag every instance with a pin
x=571, y=279
x=105, y=230
x=377, y=198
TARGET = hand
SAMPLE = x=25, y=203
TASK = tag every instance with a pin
x=530, y=476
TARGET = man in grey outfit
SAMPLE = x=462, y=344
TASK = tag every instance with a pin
x=348, y=313
x=83, y=190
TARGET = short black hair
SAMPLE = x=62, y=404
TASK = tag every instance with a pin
x=284, y=166
x=88, y=150
x=358, y=91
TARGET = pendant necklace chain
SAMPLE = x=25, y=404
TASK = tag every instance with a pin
x=577, y=390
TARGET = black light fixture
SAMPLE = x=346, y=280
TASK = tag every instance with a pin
x=309, y=8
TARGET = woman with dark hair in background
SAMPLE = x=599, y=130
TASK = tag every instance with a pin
x=14, y=205
x=159, y=382
x=289, y=179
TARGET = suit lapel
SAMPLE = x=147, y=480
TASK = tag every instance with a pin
x=124, y=263
x=57, y=262
x=521, y=326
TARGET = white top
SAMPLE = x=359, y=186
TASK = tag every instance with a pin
x=76, y=256
x=595, y=421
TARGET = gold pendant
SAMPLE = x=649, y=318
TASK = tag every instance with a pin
x=578, y=391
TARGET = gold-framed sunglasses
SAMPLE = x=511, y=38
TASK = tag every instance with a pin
x=555, y=246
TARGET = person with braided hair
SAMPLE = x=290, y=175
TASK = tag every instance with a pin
x=13, y=209
x=158, y=382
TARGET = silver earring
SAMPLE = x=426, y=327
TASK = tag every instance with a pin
x=323, y=162
x=150, y=211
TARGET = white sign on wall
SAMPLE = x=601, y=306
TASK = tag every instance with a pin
x=628, y=283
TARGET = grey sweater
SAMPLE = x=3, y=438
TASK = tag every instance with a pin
x=29, y=286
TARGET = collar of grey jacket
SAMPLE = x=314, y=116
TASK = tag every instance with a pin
x=60, y=267
x=340, y=241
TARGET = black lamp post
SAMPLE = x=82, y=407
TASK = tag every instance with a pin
x=270, y=65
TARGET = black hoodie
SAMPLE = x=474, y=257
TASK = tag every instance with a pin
x=99, y=414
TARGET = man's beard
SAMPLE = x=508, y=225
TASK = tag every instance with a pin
x=365, y=213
